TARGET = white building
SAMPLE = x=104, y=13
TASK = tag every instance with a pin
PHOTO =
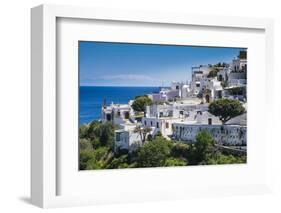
x=177, y=91
x=186, y=91
x=160, y=124
x=208, y=88
x=118, y=113
x=126, y=140
x=233, y=132
x=199, y=78
x=161, y=117
x=235, y=78
x=211, y=89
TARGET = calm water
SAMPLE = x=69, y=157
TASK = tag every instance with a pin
x=91, y=99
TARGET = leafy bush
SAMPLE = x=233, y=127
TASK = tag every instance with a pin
x=85, y=156
x=83, y=131
x=175, y=162
x=140, y=103
x=120, y=162
x=99, y=158
x=85, y=144
x=204, y=145
x=180, y=150
x=154, y=153
x=225, y=159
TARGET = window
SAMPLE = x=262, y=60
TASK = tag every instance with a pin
x=108, y=117
x=157, y=124
x=220, y=94
x=167, y=125
x=127, y=115
x=145, y=123
x=151, y=123
x=118, y=136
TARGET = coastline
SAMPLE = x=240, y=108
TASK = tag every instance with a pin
x=91, y=98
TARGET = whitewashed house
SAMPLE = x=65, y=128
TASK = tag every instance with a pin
x=234, y=78
x=161, y=117
x=177, y=91
x=160, y=124
x=126, y=138
x=118, y=113
x=199, y=78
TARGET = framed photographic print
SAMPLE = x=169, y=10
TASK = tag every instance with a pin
x=133, y=116
x=129, y=106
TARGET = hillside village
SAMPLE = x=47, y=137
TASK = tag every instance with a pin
x=181, y=111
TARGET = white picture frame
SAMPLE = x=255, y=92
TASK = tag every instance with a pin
x=44, y=147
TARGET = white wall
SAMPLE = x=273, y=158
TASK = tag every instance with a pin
x=15, y=99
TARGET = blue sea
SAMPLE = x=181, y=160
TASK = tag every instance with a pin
x=92, y=98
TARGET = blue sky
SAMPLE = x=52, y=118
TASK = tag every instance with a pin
x=124, y=64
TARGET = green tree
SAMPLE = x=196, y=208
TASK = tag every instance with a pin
x=119, y=162
x=100, y=158
x=180, y=150
x=96, y=143
x=226, y=109
x=105, y=133
x=213, y=73
x=85, y=156
x=83, y=131
x=85, y=144
x=204, y=146
x=91, y=130
x=140, y=103
x=154, y=153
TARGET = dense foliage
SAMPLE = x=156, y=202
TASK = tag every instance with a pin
x=140, y=103
x=215, y=69
x=97, y=151
x=213, y=73
x=226, y=109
